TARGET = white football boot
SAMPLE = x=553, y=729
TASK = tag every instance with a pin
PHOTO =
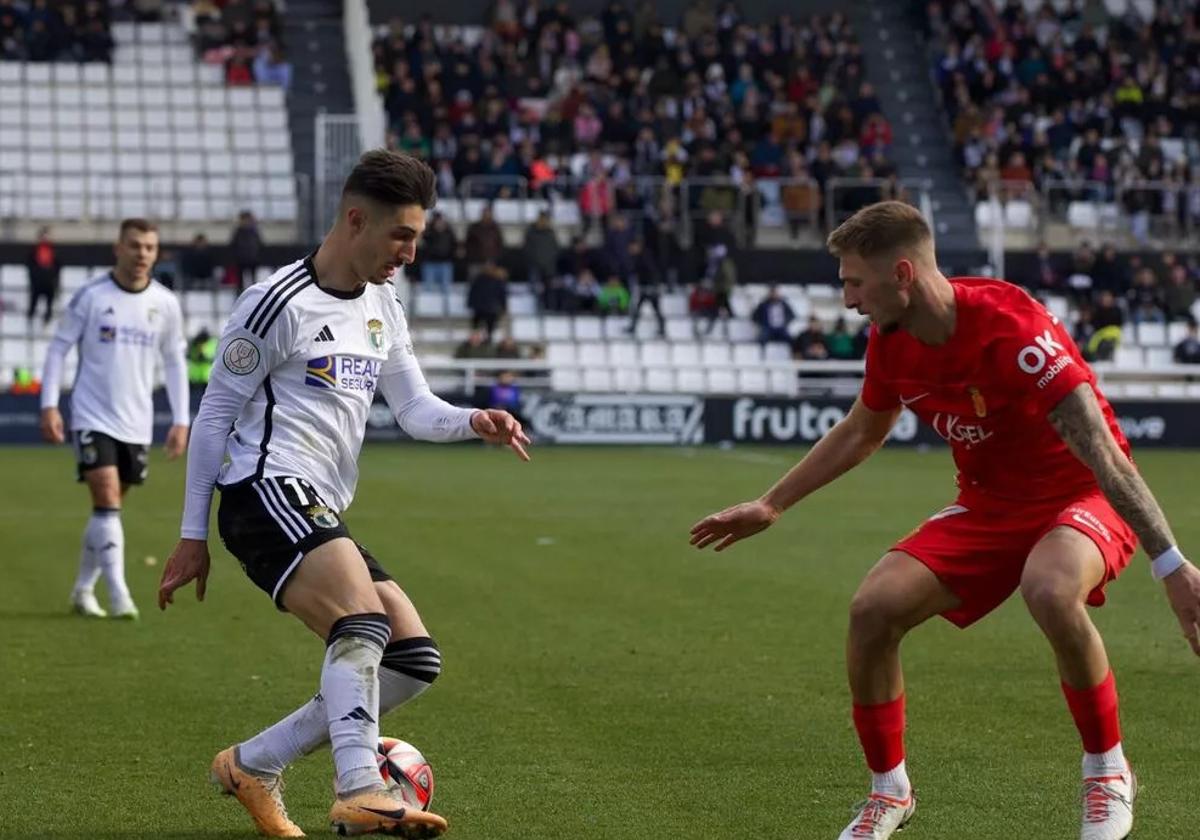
x=1108, y=806
x=84, y=603
x=880, y=817
x=123, y=608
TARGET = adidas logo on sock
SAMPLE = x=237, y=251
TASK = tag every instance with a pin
x=325, y=334
x=359, y=713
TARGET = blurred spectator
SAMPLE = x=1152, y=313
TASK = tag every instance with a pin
x=541, y=253
x=1084, y=329
x=485, y=242
x=1047, y=272
x=505, y=394
x=860, y=339
x=1180, y=294
x=1107, y=321
x=613, y=297
x=271, y=66
x=238, y=72
x=1146, y=300
x=487, y=298
x=438, y=248
x=474, y=346
x=246, y=249
x=810, y=344
x=1187, y=351
x=201, y=353
x=773, y=315
x=197, y=262
x=596, y=198
x=702, y=306
x=506, y=348
x=43, y=276
x=586, y=293
x=721, y=271
x=646, y=281
x=617, y=259
x=839, y=342
x=1109, y=272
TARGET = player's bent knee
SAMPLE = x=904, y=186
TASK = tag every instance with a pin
x=1050, y=594
x=873, y=617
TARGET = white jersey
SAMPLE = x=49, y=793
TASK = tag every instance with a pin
x=120, y=336
x=307, y=360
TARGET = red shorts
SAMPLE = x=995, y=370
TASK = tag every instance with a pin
x=979, y=553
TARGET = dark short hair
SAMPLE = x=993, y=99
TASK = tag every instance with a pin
x=140, y=225
x=392, y=178
x=880, y=229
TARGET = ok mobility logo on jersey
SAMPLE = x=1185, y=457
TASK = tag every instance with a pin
x=348, y=373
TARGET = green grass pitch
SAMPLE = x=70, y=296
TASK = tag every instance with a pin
x=603, y=680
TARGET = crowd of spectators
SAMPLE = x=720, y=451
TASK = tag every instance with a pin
x=599, y=102
x=63, y=30
x=245, y=36
x=1110, y=105
x=1111, y=291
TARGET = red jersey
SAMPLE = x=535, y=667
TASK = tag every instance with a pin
x=987, y=392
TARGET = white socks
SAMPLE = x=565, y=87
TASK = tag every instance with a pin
x=1111, y=763
x=103, y=553
x=894, y=783
x=307, y=728
x=350, y=686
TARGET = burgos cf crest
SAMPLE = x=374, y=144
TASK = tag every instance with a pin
x=322, y=516
x=375, y=333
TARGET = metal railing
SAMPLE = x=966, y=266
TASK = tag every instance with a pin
x=770, y=203
x=844, y=196
x=1141, y=208
x=336, y=150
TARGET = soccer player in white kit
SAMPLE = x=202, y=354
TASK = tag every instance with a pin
x=298, y=366
x=122, y=323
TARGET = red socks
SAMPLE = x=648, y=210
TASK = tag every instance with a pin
x=881, y=732
x=1095, y=713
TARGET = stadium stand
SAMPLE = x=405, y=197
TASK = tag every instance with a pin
x=157, y=133
x=1079, y=116
x=620, y=111
x=712, y=135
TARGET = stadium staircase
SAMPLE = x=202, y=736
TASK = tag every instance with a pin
x=320, y=75
x=898, y=68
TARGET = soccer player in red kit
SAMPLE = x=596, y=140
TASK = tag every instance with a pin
x=1049, y=501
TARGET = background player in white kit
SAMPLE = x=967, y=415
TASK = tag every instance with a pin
x=299, y=363
x=122, y=322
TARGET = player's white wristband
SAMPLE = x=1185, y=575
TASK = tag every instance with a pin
x=1167, y=562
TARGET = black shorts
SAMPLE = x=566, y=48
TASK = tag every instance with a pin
x=96, y=449
x=269, y=525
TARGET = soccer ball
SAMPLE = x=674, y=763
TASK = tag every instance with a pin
x=404, y=769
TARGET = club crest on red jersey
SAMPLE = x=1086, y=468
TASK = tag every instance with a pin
x=977, y=401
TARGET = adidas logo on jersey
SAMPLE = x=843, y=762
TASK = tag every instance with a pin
x=325, y=334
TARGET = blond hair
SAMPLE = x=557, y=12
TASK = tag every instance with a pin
x=880, y=229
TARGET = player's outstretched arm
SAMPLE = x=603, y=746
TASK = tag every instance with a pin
x=847, y=445
x=1080, y=423
x=189, y=561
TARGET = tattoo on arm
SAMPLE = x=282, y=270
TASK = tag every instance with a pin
x=1080, y=423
